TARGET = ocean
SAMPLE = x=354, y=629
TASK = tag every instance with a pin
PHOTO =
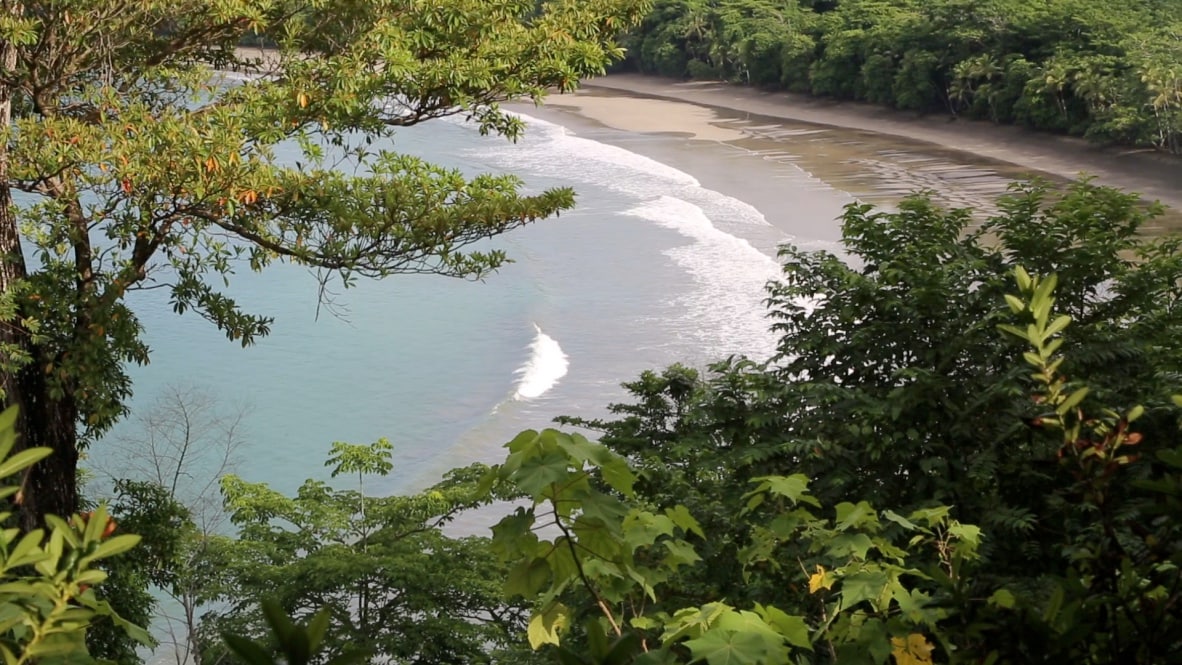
x=663, y=260
x=650, y=268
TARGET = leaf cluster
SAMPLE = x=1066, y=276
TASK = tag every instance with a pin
x=46, y=575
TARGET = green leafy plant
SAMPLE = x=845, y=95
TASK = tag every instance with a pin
x=601, y=579
x=298, y=644
x=393, y=583
x=47, y=576
x=1124, y=578
x=134, y=162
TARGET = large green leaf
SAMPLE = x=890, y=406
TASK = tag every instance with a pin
x=728, y=647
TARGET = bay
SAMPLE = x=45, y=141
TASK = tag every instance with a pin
x=650, y=268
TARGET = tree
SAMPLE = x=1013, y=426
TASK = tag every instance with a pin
x=1078, y=66
x=129, y=163
x=609, y=566
x=893, y=387
x=394, y=584
x=164, y=487
x=606, y=573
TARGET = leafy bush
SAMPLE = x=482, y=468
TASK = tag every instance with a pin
x=47, y=575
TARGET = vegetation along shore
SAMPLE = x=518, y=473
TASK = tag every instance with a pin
x=1106, y=71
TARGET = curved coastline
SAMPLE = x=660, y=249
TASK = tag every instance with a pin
x=1151, y=174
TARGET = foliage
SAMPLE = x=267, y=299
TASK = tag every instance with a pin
x=617, y=559
x=392, y=582
x=165, y=528
x=136, y=161
x=893, y=388
x=1079, y=66
x=298, y=644
x=1124, y=576
x=46, y=576
x=164, y=488
x=736, y=515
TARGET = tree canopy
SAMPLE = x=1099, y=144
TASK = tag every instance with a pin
x=130, y=161
x=1107, y=71
x=951, y=459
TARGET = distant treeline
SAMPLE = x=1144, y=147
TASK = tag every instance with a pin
x=1109, y=70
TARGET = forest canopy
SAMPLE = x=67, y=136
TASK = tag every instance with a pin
x=1108, y=71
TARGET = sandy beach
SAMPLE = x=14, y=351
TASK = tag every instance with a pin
x=859, y=151
x=1155, y=175
x=799, y=160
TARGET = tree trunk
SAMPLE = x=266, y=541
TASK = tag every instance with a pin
x=50, y=487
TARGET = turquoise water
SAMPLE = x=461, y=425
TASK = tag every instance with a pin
x=649, y=269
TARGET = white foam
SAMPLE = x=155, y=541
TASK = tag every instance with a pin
x=554, y=150
x=726, y=311
x=546, y=365
x=725, y=314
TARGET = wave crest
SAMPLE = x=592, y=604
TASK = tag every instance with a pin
x=546, y=365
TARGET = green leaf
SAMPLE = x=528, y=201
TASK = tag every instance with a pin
x=537, y=474
x=114, y=545
x=1002, y=598
x=1020, y=333
x=681, y=553
x=863, y=586
x=969, y=533
x=849, y=545
x=694, y=621
x=7, y=431
x=527, y=578
x=618, y=476
x=912, y=603
x=642, y=528
x=1056, y=326
x=247, y=650
x=545, y=627
x=23, y=460
x=103, y=608
x=281, y=625
x=27, y=550
x=318, y=628
x=684, y=520
x=1023, y=279
x=793, y=628
x=728, y=647
x=794, y=488
x=1072, y=400
x=858, y=515
x=1135, y=413
x=623, y=651
x=930, y=516
x=892, y=516
x=1171, y=457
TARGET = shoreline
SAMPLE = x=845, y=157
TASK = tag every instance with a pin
x=1151, y=174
